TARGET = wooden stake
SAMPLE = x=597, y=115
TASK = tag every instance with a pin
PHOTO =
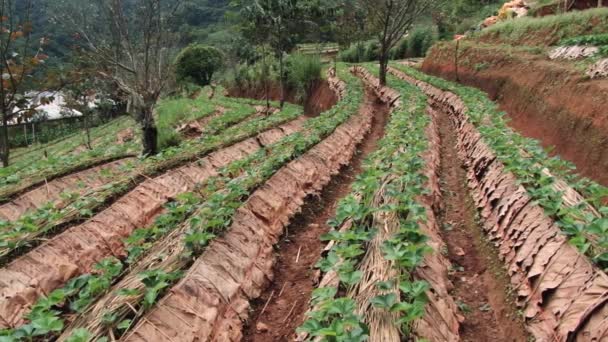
x=267, y=302
x=298, y=256
x=283, y=288
x=290, y=311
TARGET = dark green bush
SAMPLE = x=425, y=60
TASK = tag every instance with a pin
x=197, y=63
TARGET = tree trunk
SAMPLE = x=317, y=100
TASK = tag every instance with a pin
x=87, y=129
x=456, y=60
x=85, y=117
x=4, y=144
x=383, y=68
x=281, y=79
x=149, y=132
x=266, y=76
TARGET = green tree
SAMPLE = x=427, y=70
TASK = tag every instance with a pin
x=198, y=63
x=389, y=21
x=277, y=23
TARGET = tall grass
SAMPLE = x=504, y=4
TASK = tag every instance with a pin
x=171, y=113
x=303, y=72
x=549, y=30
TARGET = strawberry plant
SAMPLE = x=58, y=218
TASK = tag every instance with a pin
x=407, y=248
x=528, y=161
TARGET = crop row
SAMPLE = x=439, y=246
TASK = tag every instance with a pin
x=546, y=179
x=381, y=219
x=220, y=132
x=63, y=157
x=210, y=215
x=561, y=292
x=288, y=149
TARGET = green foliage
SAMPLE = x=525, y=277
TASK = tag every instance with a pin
x=548, y=30
x=527, y=160
x=360, y=52
x=303, y=72
x=156, y=281
x=594, y=39
x=171, y=113
x=197, y=64
x=334, y=318
x=417, y=43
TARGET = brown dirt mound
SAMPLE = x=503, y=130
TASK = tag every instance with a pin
x=545, y=100
x=51, y=192
x=212, y=301
x=563, y=296
x=78, y=249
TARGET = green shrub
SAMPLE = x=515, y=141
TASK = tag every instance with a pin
x=360, y=52
x=594, y=39
x=416, y=44
x=197, y=64
x=303, y=71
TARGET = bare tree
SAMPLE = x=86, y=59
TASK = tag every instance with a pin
x=390, y=20
x=20, y=58
x=132, y=43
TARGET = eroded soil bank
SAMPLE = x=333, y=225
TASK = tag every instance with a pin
x=281, y=309
x=480, y=283
x=548, y=101
x=321, y=99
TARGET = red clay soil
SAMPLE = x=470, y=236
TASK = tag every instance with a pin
x=548, y=101
x=51, y=192
x=576, y=5
x=322, y=97
x=287, y=297
x=76, y=250
x=563, y=296
x=480, y=283
x=213, y=299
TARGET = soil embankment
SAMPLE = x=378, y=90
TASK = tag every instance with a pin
x=549, y=101
x=321, y=99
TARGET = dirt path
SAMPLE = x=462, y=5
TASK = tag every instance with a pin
x=480, y=282
x=280, y=310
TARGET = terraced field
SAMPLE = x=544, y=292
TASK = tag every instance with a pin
x=408, y=212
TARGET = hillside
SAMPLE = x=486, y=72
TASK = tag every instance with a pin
x=297, y=170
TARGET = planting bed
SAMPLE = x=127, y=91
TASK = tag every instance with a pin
x=78, y=249
x=561, y=292
x=235, y=267
x=223, y=131
x=53, y=192
x=102, y=277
